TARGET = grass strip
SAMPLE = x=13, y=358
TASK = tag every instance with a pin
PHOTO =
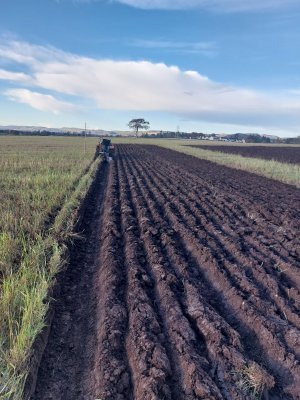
x=24, y=298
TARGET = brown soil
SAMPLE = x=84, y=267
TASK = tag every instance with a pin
x=186, y=287
x=289, y=155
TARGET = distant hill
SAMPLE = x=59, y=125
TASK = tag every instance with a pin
x=65, y=131
x=58, y=131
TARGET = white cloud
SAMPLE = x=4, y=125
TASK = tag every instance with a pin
x=145, y=86
x=219, y=5
x=39, y=101
x=28, y=54
x=203, y=48
x=224, y=5
x=14, y=76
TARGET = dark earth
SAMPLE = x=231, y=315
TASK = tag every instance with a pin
x=185, y=285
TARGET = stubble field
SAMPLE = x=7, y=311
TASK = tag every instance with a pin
x=42, y=183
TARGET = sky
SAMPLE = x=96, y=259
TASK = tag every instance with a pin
x=212, y=66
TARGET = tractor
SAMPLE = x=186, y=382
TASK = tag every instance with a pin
x=106, y=149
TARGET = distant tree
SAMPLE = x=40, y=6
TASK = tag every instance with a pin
x=138, y=123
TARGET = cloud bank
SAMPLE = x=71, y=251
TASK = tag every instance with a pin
x=138, y=86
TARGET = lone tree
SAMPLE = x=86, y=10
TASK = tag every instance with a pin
x=137, y=124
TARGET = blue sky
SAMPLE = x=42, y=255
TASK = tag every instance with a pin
x=205, y=65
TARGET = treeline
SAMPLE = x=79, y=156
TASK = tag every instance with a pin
x=13, y=132
x=175, y=135
x=295, y=140
x=237, y=137
x=250, y=138
x=256, y=138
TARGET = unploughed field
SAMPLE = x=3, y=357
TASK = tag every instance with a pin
x=283, y=154
x=42, y=182
x=184, y=285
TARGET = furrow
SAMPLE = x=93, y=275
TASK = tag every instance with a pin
x=223, y=348
x=111, y=368
x=267, y=195
x=195, y=382
x=247, y=216
x=255, y=271
x=150, y=361
x=286, y=364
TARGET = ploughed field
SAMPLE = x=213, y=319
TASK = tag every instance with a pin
x=289, y=155
x=185, y=285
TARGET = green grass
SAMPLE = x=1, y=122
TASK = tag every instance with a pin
x=43, y=181
x=283, y=172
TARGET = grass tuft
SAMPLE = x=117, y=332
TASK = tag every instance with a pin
x=254, y=381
